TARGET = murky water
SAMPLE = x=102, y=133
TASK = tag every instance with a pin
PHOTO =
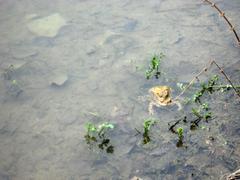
x=78, y=61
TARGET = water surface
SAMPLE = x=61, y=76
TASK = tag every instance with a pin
x=94, y=56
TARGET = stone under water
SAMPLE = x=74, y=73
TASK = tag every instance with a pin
x=48, y=26
x=59, y=80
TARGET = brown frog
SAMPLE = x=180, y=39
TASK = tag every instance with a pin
x=160, y=96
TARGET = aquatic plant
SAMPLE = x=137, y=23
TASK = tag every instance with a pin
x=101, y=129
x=206, y=87
x=148, y=123
x=180, y=137
x=180, y=132
x=205, y=69
x=91, y=130
x=97, y=134
x=154, y=66
x=199, y=114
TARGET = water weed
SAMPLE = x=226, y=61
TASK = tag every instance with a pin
x=154, y=66
x=148, y=123
x=97, y=135
x=180, y=137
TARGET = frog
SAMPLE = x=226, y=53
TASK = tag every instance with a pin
x=161, y=96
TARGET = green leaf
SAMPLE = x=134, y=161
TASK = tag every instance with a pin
x=155, y=62
x=205, y=106
x=196, y=112
x=148, y=123
x=208, y=115
x=105, y=125
x=180, y=132
x=90, y=127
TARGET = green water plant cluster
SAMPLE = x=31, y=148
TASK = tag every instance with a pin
x=206, y=87
x=147, y=124
x=98, y=135
x=154, y=66
x=202, y=112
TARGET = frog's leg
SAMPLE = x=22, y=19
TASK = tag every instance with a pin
x=150, y=108
x=177, y=102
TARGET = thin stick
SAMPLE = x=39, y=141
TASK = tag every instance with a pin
x=171, y=128
x=226, y=19
x=228, y=79
x=194, y=79
x=204, y=70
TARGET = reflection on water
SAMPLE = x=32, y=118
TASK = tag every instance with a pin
x=70, y=62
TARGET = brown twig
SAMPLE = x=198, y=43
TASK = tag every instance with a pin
x=171, y=128
x=194, y=79
x=226, y=19
x=225, y=75
x=204, y=70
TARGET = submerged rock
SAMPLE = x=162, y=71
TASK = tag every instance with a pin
x=47, y=26
x=59, y=80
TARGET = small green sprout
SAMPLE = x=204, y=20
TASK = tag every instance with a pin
x=148, y=123
x=180, y=137
x=154, y=66
x=180, y=132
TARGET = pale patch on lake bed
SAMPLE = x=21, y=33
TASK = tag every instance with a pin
x=48, y=26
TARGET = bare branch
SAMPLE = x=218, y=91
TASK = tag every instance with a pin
x=209, y=65
x=226, y=19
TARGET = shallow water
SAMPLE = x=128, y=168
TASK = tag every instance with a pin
x=87, y=73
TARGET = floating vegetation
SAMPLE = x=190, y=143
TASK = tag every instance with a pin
x=154, y=66
x=97, y=135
